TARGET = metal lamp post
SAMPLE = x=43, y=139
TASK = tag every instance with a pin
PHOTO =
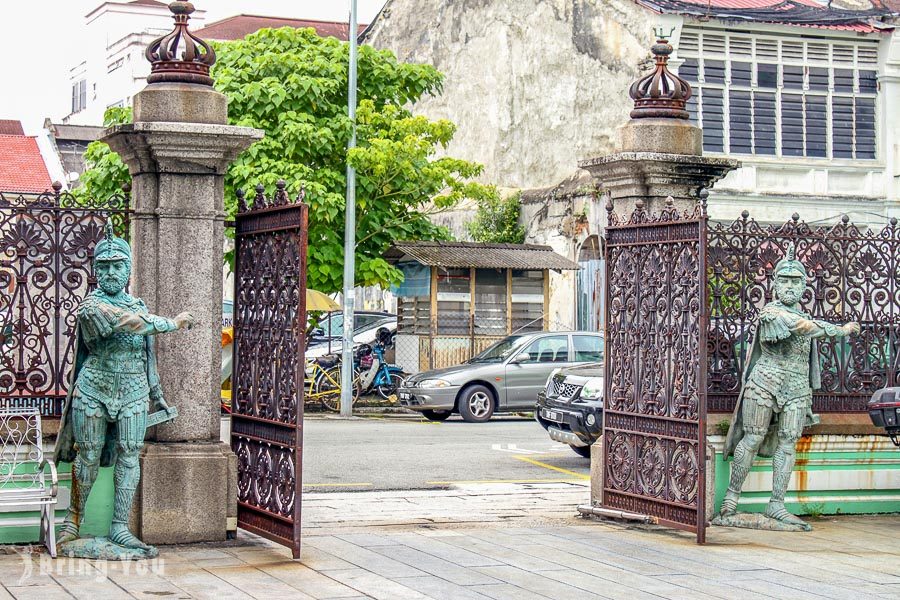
x=349, y=235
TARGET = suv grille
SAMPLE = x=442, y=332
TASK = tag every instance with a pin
x=562, y=389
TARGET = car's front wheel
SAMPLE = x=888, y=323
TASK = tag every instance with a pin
x=584, y=451
x=436, y=415
x=476, y=405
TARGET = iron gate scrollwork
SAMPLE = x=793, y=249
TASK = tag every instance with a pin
x=267, y=380
x=853, y=275
x=655, y=414
x=46, y=253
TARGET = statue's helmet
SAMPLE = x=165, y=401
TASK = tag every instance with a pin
x=111, y=248
x=789, y=266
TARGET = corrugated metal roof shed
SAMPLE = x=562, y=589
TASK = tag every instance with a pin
x=478, y=255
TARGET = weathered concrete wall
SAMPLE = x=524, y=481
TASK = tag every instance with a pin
x=562, y=217
x=533, y=85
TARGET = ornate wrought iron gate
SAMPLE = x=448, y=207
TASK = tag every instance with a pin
x=267, y=380
x=853, y=275
x=46, y=252
x=655, y=414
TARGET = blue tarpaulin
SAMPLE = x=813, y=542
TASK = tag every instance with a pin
x=416, y=280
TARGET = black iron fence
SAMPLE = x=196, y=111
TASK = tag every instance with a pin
x=853, y=276
x=46, y=252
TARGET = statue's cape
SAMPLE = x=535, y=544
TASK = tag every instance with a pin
x=736, y=430
x=65, y=450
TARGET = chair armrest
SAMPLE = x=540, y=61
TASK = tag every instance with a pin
x=54, y=478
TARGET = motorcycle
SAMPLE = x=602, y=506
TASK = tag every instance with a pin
x=375, y=372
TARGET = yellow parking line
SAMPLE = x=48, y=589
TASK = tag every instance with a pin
x=334, y=484
x=551, y=467
x=502, y=481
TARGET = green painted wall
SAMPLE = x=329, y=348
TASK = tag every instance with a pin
x=822, y=501
x=97, y=518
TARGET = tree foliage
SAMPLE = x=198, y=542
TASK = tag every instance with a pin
x=292, y=84
x=106, y=173
x=497, y=221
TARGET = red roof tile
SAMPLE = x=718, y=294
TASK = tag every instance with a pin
x=22, y=167
x=801, y=13
x=239, y=26
x=11, y=127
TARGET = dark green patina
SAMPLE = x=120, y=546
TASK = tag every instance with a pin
x=114, y=381
x=775, y=402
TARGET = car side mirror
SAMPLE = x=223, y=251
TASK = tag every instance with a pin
x=521, y=358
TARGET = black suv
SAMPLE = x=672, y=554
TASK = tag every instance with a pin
x=570, y=408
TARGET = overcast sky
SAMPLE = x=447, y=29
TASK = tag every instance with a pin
x=40, y=38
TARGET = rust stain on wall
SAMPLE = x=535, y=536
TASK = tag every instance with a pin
x=804, y=444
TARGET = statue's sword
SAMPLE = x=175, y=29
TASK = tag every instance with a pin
x=161, y=416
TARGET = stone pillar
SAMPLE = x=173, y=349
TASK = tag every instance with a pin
x=177, y=151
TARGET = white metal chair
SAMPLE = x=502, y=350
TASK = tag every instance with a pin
x=22, y=464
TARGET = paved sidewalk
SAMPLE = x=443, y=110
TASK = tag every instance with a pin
x=517, y=542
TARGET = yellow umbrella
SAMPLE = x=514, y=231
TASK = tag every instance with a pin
x=318, y=301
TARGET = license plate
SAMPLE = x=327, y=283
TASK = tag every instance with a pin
x=551, y=415
x=405, y=396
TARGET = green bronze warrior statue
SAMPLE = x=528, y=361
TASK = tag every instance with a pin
x=114, y=379
x=775, y=402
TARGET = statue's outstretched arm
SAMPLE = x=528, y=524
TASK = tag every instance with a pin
x=100, y=320
x=145, y=324
x=815, y=328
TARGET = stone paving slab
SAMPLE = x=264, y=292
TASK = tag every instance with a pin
x=508, y=544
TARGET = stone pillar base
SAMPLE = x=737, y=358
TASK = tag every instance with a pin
x=598, y=469
x=187, y=493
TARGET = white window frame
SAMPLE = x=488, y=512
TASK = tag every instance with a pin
x=695, y=41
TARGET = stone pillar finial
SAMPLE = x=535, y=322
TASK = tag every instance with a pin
x=197, y=56
x=660, y=94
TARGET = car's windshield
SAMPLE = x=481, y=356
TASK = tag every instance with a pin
x=332, y=325
x=499, y=351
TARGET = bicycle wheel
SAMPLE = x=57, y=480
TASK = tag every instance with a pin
x=328, y=388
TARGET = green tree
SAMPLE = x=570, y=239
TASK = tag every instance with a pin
x=106, y=173
x=497, y=220
x=293, y=84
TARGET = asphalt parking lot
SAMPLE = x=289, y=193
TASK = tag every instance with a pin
x=398, y=452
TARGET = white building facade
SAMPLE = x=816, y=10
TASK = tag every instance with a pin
x=113, y=68
x=810, y=113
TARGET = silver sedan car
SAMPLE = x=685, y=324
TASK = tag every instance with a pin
x=507, y=376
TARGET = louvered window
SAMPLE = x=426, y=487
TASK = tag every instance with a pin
x=781, y=96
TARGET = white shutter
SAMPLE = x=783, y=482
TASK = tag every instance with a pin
x=867, y=55
x=792, y=51
x=766, y=50
x=740, y=47
x=842, y=54
x=713, y=44
x=816, y=52
x=688, y=44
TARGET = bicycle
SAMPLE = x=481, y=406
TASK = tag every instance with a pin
x=322, y=383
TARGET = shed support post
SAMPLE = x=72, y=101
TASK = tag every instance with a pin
x=471, y=312
x=509, y=318
x=434, y=317
x=546, y=307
